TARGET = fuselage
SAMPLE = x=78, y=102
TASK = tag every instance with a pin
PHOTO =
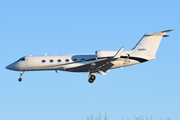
x=71, y=63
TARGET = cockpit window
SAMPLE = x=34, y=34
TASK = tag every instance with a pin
x=21, y=59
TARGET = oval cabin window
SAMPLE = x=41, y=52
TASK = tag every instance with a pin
x=67, y=60
x=59, y=60
x=51, y=61
x=75, y=60
x=82, y=60
x=43, y=61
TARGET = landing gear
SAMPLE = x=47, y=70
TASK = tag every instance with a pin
x=92, y=72
x=92, y=78
x=20, y=79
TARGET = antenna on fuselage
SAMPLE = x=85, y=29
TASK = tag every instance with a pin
x=46, y=54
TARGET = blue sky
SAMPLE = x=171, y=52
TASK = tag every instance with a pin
x=72, y=27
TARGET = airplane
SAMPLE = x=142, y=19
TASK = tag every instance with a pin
x=99, y=62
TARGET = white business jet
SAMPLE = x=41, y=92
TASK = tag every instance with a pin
x=100, y=62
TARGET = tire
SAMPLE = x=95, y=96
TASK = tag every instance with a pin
x=20, y=79
x=90, y=80
x=93, y=77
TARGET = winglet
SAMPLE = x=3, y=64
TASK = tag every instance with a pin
x=118, y=54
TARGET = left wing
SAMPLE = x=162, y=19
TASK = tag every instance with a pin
x=87, y=67
x=105, y=67
x=102, y=66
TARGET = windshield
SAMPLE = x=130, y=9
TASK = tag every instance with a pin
x=21, y=59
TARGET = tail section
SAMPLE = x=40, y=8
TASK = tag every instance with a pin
x=148, y=45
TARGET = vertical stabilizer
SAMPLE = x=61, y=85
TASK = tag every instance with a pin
x=148, y=45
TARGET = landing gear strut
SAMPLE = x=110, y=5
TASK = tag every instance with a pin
x=92, y=78
x=20, y=79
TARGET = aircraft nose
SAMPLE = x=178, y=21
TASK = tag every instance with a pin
x=11, y=66
x=7, y=67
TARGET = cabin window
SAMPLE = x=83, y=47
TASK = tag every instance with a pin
x=67, y=60
x=75, y=60
x=43, y=61
x=59, y=60
x=82, y=60
x=51, y=61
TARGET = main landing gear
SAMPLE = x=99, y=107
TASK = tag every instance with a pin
x=20, y=79
x=92, y=73
x=92, y=78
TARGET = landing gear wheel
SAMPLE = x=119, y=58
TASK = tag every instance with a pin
x=93, y=77
x=20, y=79
x=90, y=80
x=20, y=75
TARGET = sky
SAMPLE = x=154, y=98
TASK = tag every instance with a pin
x=57, y=27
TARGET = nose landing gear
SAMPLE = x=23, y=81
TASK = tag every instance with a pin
x=20, y=79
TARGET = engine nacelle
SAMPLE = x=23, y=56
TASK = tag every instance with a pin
x=105, y=54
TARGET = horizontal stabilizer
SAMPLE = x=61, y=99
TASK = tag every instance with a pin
x=162, y=33
x=168, y=30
